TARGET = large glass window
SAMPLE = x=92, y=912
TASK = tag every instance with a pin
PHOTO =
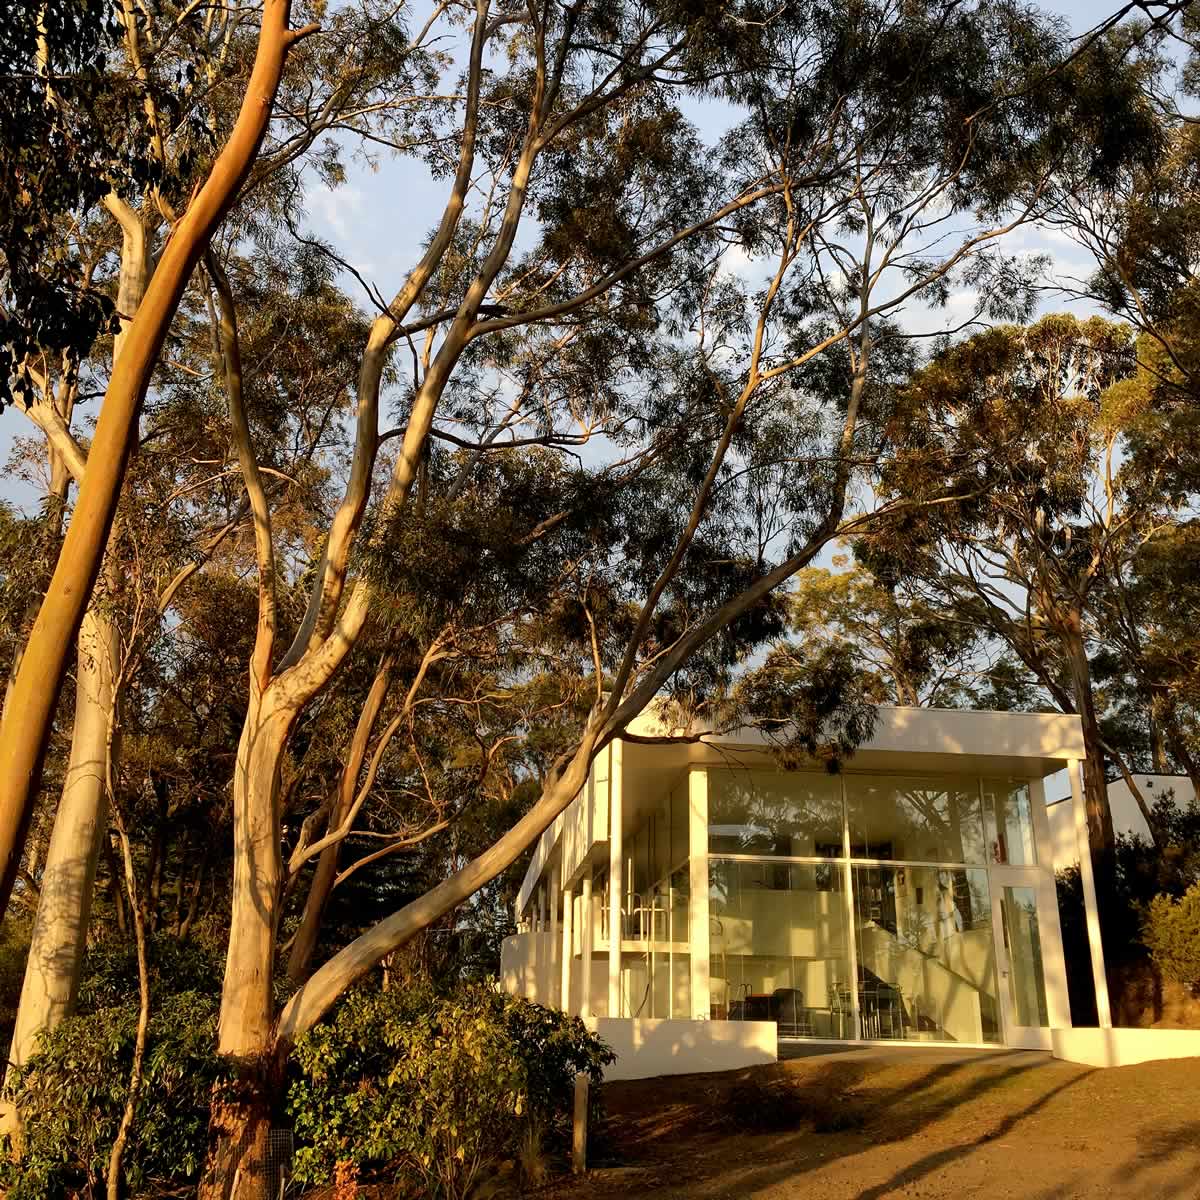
x=1026, y=978
x=930, y=820
x=926, y=954
x=790, y=814
x=1009, y=815
x=778, y=949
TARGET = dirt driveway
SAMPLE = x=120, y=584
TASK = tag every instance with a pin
x=931, y=1125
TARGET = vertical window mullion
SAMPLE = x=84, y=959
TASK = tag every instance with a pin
x=851, y=938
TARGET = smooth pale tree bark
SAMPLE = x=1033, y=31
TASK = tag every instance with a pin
x=60, y=928
x=1095, y=789
x=300, y=959
x=26, y=727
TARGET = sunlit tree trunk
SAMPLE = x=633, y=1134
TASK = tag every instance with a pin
x=300, y=959
x=240, y=1125
x=1095, y=789
x=60, y=927
x=59, y=937
x=27, y=720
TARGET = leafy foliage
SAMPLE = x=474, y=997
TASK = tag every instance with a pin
x=69, y=132
x=433, y=1091
x=1171, y=931
x=72, y=1093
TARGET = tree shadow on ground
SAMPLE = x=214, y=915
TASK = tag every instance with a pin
x=674, y=1130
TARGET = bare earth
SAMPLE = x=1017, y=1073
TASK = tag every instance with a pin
x=937, y=1125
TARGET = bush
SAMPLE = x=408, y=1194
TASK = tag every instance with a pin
x=72, y=1093
x=1171, y=932
x=436, y=1090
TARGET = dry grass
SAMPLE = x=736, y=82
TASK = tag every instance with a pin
x=931, y=1127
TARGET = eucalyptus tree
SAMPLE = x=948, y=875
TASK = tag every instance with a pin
x=364, y=79
x=917, y=656
x=878, y=156
x=217, y=36
x=1032, y=428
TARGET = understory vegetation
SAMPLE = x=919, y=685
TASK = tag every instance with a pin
x=426, y=1091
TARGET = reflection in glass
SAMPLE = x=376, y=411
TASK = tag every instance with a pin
x=778, y=946
x=791, y=814
x=926, y=954
x=1009, y=815
x=1026, y=979
x=931, y=820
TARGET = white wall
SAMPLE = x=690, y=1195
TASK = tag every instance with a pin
x=648, y=1048
x=1124, y=1047
x=1127, y=817
x=529, y=967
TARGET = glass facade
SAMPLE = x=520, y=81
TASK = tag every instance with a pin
x=924, y=820
x=926, y=954
x=655, y=959
x=769, y=813
x=1023, y=943
x=779, y=948
x=1007, y=811
x=839, y=907
x=868, y=895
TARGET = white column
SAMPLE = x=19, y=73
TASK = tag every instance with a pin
x=585, y=945
x=698, y=931
x=1091, y=908
x=1054, y=961
x=541, y=909
x=568, y=949
x=851, y=929
x=616, y=879
x=555, y=901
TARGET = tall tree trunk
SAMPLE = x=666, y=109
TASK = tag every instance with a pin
x=25, y=729
x=240, y=1125
x=55, y=959
x=1095, y=788
x=60, y=927
x=300, y=959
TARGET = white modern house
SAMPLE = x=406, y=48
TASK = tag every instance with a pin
x=699, y=906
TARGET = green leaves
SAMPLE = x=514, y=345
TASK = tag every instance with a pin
x=1171, y=932
x=432, y=1091
x=71, y=1096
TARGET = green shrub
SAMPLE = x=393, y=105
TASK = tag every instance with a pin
x=1171, y=932
x=110, y=972
x=436, y=1090
x=72, y=1093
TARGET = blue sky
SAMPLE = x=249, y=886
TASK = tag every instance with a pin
x=378, y=218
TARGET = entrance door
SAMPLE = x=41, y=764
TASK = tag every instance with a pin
x=1022, y=903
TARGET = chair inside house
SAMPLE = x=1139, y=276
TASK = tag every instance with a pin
x=789, y=1013
x=881, y=1007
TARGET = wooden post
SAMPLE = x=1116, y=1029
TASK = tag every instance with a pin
x=580, y=1131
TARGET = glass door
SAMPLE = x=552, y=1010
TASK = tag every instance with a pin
x=1022, y=902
